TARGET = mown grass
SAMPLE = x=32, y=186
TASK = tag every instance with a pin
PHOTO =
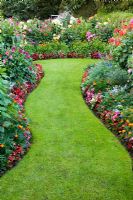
x=73, y=156
x=115, y=17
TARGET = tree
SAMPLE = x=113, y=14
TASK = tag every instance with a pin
x=25, y=9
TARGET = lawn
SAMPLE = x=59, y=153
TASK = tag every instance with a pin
x=73, y=156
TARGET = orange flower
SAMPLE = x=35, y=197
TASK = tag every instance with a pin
x=20, y=127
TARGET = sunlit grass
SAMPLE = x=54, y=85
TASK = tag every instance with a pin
x=73, y=156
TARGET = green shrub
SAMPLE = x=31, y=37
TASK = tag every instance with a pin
x=104, y=32
x=113, y=5
x=81, y=48
x=97, y=45
x=98, y=75
x=19, y=66
x=70, y=35
x=11, y=136
x=52, y=47
x=30, y=9
x=122, y=52
x=118, y=77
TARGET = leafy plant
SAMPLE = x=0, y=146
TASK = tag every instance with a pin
x=18, y=64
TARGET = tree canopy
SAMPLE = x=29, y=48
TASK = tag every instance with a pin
x=42, y=9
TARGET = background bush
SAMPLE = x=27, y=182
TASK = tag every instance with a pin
x=43, y=9
x=27, y=9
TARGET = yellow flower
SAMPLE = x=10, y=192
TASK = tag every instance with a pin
x=94, y=83
x=123, y=131
x=130, y=124
x=2, y=145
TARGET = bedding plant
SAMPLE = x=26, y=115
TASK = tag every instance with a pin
x=107, y=86
x=18, y=77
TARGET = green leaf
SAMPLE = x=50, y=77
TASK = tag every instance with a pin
x=2, y=129
x=7, y=124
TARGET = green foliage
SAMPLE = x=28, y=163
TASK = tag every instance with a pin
x=39, y=32
x=29, y=9
x=104, y=74
x=122, y=52
x=9, y=119
x=98, y=76
x=81, y=48
x=104, y=31
x=18, y=65
x=130, y=61
x=21, y=9
x=97, y=45
x=9, y=32
x=53, y=47
x=115, y=5
x=70, y=35
x=72, y=4
x=118, y=77
x=79, y=8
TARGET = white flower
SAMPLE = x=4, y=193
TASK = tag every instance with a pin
x=72, y=20
x=105, y=23
x=56, y=37
x=69, y=26
x=21, y=24
x=24, y=27
x=57, y=22
x=29, y=21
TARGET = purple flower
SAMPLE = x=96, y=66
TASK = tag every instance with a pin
x=90, y=95
x=13, y=49
x=89, y=35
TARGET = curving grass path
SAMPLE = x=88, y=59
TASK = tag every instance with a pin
x=73, y=156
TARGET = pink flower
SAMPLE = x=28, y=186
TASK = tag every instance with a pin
x=11, y=57
x=7, y=53
x=130, y=70
x=89, y=36
x=4, y=61
x=13, y=49
x=131, y=21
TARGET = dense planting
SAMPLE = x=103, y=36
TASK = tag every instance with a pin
x=18, y=77
x=107, y=87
